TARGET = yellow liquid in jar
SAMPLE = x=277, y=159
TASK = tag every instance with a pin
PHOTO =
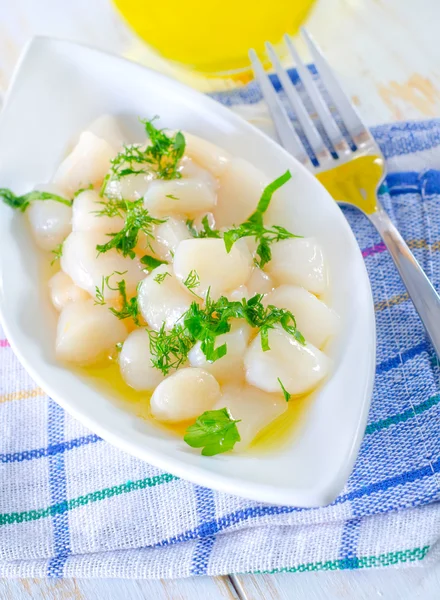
x=213, y=37
x=355, y=182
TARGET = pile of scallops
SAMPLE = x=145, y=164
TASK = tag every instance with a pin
x=225, y=190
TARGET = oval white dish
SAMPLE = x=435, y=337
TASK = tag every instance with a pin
x=58, y=88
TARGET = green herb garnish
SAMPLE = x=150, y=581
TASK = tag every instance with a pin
x=151, y=263
x=165, y=151
x=137, y=219
x=81, y=190
x=169, y=349
x=22, y=202
x=160, y=278
x=192, y=282
x=206, y=232
x=265, y=318
x=129, y=306
x=214, y=431
x=205, y=324
x=287, y=396
x=57, y=252
x=161, y=156
x=254, y=226
x=171, y=197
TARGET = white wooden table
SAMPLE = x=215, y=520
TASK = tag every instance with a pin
x=388, y=57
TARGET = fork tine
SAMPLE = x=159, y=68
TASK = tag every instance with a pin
x=312, y=134
x=283, y=125
x=349, y=115
x=330, y=126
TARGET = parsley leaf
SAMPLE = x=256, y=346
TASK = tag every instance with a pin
x=137, y=219
x=22, y=202
x=214, y=431
x=287, y=396
x=254, y=226
x=151, y=263
x=57, y=252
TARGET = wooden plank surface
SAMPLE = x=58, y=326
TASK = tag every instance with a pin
x=387, y=55
x=202, y=588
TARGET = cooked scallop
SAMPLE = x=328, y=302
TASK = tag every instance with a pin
x=300, y=368
x=168, y=236
x=241, y=186
x=107, y=128
x=85, y=215
x=50, y=221
x=135, y=362
x=81, y=261
x=63, y=291
x=316, y=321
x=188, y=197
x=189, y=169
x=229, y=366
x=87, y=164
x=259, y=283
x=207, y=155
x=87, y=333
x=184, y=395
x=254, y=409
x=299, y=261
x=162, y=299
x=129, y=187
x=215, y=268
x=238, y=294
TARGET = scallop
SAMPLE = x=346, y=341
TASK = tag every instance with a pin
x=163, y=301
x=50, y=222
x=87, y=333
x=299, y=368
x=207, y=155
x=229, y=366
x=63, y=291
x=191, y=170
x=130, y=187
x=85, y=215
x=254, y=409
x=81, y=261
x=299, y=261
x=316, y=321
x=238, y=294
x=187, y=197
x=107, y=128
x=184, y=395
x=215, y=268
x=87, y=164
x=259, y=283
x=168, y=236
x=241, y=186
x=135, y=362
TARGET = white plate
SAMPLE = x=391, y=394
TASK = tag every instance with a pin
x=59, y=87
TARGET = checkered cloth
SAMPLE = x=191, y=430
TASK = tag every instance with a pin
x=72, y=505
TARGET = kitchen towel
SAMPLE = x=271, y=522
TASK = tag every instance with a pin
x=72, y=505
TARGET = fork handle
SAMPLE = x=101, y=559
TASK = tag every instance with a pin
x=420, y=289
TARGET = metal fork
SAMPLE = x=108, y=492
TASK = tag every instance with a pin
x=343, y=168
